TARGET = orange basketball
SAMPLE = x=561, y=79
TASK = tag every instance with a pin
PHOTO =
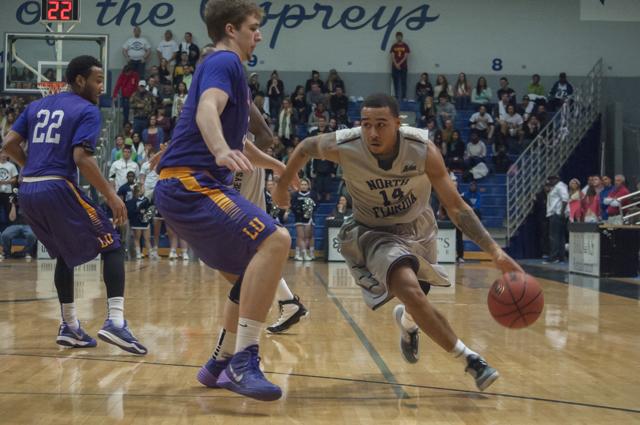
x=515, y=300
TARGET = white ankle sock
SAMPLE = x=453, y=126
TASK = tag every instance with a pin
x=225, y=346
x=249, y=332
x=69, y=316
x=408, y=323
x=283, y=293
x=116, y=310
x=461, y=351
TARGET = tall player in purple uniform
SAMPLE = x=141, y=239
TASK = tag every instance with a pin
x=62, y=131
x=228, y=232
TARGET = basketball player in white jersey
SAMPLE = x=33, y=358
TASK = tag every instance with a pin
x=390, y=244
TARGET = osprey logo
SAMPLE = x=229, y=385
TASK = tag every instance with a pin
x=409, y=166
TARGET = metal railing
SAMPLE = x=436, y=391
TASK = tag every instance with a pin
x=548, y=152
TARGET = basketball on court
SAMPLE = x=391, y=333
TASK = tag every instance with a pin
x=515, y=300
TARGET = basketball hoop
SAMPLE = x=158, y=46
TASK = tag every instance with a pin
x=51, y=87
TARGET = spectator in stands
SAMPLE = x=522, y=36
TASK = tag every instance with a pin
x=511, y=125
x=525, y=108
x=501, y=109
x=462, y=92
x=125, y=192
x=501, y=161
x=286, y=123
x=187, y=77
x=399, y=58
x=119, y=169
x=275, y=92
x=611, y=201
x=165, y=100
x=427, y=111
x=504, y=88
x=254, y=85
x=473, y=197
x=138, y=211
x=179, y=99
x=476, y=150
x=165, y=77
x=482, y=123
x=531, y=129
x=319, y=112
x=535, y=87
x=303, y=206
x=447, y=133
x=556, y=204
x=591, y=211
x=561, y=91
x=17, y=229
x=315, y=79
x=168, y=49
x=178, y=71
x=144, y=105
x=424, y=88
x=342, y=210
x=8, y=179
x=333, y=82
x=437, y=140
x=482, y=94
x=126, y=87
x=136, y=51
x=127, y=130
x=137, y=149
x=323, y=172
x=338, y=105
x=442, y=86
x=541, y=113
x=153, y=135
x=164, y=122
x=189, y=47
x=607, y=186
x=299, y=104
x=8, y=123
x=431, y=126
x=315, y=95
x=455, y=152
x=117, y=149
x=153, y=87
x=259, y=102
x=445, y=110
x=574, y=206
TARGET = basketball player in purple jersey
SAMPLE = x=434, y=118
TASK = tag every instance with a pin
x=228, y=232
x=62, y=131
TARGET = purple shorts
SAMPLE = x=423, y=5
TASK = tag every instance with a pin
x=223, y=228
x=67, y=223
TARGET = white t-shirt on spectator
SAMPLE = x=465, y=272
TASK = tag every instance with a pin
x=481, y=121
x=514, y=120
x=168, y=48
x=136, y=48
x=502, y=110
x=476, y=150
x=559, y=194
x=7, y=172
x=150, y=177
x=119, y=170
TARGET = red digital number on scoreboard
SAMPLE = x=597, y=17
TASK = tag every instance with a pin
x=59, y=10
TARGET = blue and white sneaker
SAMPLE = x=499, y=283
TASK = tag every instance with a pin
x=67, y=337
x=122, y=337
x=408, y=339
x=243, y=376
x=482, y=373
x=209, y=373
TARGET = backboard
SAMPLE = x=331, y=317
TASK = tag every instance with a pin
x=35, y=57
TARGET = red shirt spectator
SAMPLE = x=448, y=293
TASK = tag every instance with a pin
x=400, y=51
x=127, y=82
x=619, y=190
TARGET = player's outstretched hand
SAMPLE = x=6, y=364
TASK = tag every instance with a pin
x=118, y=209
x=295, y=181
x=234, y=160
x=505, y=263
x=280, y=196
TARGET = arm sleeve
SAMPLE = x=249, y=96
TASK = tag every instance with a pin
x=21, y=126
x=220, y=74
x=88, y=130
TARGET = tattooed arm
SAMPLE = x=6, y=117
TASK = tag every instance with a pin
x=322, y=146
x=461, y=214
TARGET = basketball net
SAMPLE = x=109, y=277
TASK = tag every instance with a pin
x=51, y=87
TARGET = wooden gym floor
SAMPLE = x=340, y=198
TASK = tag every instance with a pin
x=577, y=365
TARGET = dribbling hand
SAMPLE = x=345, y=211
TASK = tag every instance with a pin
x=505, y=263
x=118, y=209
x=234, y=160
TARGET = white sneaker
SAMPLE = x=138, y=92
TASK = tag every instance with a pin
x=185, y=256
x=138, y=256
x=172, y=254
x=154, y=255
x=1, y=257
x=27, y=257
x=298, y=257
x=307, y=257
